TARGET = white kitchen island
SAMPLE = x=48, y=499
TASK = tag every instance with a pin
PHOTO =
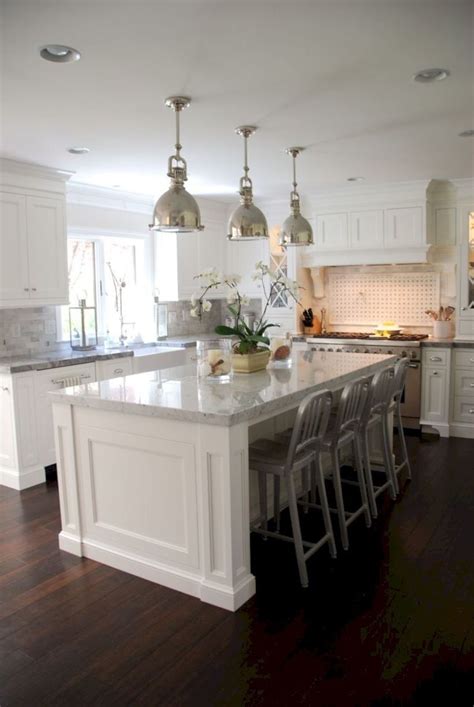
x=153, y=468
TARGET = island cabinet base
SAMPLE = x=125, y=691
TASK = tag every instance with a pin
x=162, y=499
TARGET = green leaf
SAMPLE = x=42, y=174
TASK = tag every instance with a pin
x=260, y=339
x=226, y=330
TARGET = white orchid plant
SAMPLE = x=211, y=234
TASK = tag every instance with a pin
x=250, y=340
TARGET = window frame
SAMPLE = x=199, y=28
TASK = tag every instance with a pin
x=99, y=240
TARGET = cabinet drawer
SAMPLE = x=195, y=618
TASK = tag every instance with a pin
x=463, y=410
x=114, y=368
x=435, y=357
x=464, y=383
x=52, y=378
x=464, y=358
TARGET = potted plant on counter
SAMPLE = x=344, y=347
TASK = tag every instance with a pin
x=251, y=350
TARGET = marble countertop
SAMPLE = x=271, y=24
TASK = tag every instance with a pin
x=431, y=341
x=187, y=341
x=177, y=393
x=58, y=359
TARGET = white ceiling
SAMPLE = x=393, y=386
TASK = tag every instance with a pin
x=334, y=76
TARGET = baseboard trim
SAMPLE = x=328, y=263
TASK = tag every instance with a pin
x=442, y=428
x=70, y=543
x=20, y=480
x=463, y=431
x=179, y=580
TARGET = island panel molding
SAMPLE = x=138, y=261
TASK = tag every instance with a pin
x=154, y=483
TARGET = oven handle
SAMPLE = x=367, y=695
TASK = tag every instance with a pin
x=413, y=365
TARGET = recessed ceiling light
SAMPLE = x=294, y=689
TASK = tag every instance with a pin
x=78, y=150
x=467, y=133
x=59, y=53
x=430, y=75
x=355, y=179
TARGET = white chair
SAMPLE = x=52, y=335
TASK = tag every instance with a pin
x=344, y=432
x=399, y=380
x=376, y=415
x=284, y=460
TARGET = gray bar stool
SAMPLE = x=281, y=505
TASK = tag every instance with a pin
x=376, y=414
x=343, y=432
x=401, y=370
x=283, y=460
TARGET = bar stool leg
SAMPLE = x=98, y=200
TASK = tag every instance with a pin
x=336, y=480
x=318, y=484
x=262, y=495
x=365, y=452
x=306, y=481
x=295, y=524
x=401, y=434
x=360, y=477
x=276, y=502
x=388, y=455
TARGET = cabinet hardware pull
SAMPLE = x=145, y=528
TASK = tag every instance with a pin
x=471, y=385
x=435, y=373
x=26, y=289
x=463, y=309
x=5, y=388
x=435, y=358
x=34, y=289
x=118, y=370
x=471, y=360
x=471, y=411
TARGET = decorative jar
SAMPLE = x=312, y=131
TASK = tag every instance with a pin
x=214, y=359
x=280, y=350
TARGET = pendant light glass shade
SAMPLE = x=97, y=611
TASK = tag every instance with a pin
x=247, y=222
x=296, y=230
x=176, y=211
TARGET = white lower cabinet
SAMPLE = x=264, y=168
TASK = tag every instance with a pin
x=20, y=464
x=114, y=368
x=44, y=382
x=447, y=399
x=435, y=389
x=463, y=390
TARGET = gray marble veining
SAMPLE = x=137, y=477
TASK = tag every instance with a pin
x=177, y=393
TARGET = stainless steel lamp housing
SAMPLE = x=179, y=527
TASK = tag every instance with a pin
x=176, y=210
x=296, y=230
x=247, y=222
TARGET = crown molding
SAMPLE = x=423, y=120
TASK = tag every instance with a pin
x=29, y=169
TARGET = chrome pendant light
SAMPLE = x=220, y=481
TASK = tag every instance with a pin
x=247, y=222
x=176, y=211
x=296, y=230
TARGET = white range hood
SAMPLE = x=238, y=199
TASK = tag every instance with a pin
x=389, y=225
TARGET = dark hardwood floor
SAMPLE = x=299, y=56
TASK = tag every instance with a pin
x=391, y=622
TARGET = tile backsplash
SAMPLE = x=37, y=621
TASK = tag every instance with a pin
x=356, y=297
x=29, y=330
x=180, y=322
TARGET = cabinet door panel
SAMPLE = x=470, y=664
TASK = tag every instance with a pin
x=27, y=434
x=332, y=231
x=47, y=254
x=7, y=427
x=403, y=227
x=46, y=381
x=13, y=248
x=366, y=229
x=434, y=403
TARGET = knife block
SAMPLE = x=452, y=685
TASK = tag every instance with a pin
x=315, y=329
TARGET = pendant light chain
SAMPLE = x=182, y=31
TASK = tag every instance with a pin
x=178, y=146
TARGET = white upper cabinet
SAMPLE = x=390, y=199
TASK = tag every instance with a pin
x=33, y=250
x=47, y=250
x=403, y=227
x=331, y=231
x=14, y=282
x=180, y=257
x=366, y=229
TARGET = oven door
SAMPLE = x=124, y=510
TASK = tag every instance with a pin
x=411, y=400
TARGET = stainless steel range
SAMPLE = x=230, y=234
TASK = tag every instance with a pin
x=400, y=345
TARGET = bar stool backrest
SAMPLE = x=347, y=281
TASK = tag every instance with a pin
x=401, y=369
x=310, y=425
x=352, y=405
x=380, y=393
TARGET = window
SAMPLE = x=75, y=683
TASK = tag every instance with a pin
x=108, y=273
